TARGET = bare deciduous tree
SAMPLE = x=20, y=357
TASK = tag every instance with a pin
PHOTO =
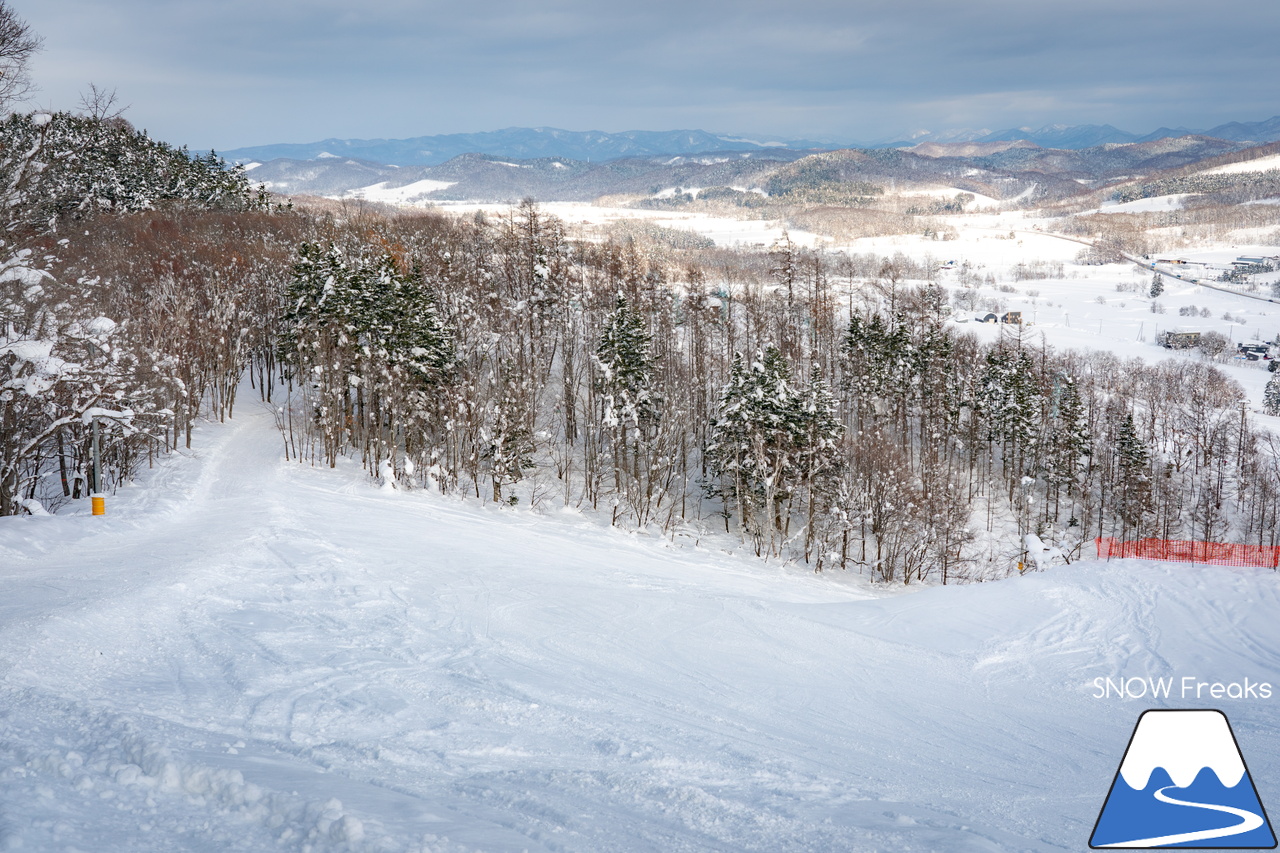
x=101, y=104
x=17, y=45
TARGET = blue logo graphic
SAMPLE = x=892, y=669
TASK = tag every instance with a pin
x=1183, y=783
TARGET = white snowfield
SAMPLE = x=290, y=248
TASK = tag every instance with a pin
x=407, y=194
x=978, y=199
x=722, y=230
x=1148, y=205
x=1261, y=164
x=248, y=655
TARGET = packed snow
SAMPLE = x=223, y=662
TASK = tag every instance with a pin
x=251, y=654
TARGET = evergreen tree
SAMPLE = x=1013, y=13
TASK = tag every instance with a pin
x=756, y=441
x=1070, y=443
x=629, y=408
x=874, y=362
x=729, y=442
x=625, y=367
x=1157, y=285
x=938, y=388
x=1271, y=396
x=368, y=343
x=784, y=260
x=368, y=309
x=819, y=459
x=55, y=167
x=509, y=440
x=1133, y=481
x=820, y=428
x=1010, y=402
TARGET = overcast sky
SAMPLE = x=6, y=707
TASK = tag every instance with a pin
x=232, y=73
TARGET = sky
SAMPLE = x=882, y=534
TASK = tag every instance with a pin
x=235, y=73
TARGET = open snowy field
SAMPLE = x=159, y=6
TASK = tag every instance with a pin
x=724, y=230
x=248, y=654
x=407, y=195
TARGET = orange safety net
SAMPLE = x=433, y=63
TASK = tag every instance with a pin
x=1186, y=551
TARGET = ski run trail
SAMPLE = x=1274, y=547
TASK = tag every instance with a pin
x=248, y=654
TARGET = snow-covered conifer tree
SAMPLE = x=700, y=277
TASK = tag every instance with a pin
x=757, y=440
x=624, y=365
x=1271, y=396
x=819, y=458
x=1133, y=481
x=1069, y=442
x=628, y=404
x=367, y=342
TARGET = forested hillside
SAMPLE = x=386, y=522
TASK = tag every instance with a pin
x=819, y=407
x=110, y=283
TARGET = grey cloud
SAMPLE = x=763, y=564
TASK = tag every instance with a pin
x=244, y=72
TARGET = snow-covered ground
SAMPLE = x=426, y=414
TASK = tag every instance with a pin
x=248, y=654
x=409, y=194
x=724, y=230
x=1148, y=205
x=1101, y=307
x=948, y=193
x=1261, y=164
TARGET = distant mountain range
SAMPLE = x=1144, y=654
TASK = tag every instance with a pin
x=522, y=143
x=999, y=170
x=1076, y=137
x=596, y=146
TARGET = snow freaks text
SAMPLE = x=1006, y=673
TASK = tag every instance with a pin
x=1186, y=687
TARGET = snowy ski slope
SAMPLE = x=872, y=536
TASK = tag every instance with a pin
x=248, y=654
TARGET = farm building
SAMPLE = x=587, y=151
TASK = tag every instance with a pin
x=1178, y=340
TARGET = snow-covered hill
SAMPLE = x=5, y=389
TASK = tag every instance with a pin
x=247, y=654
x=536, y=142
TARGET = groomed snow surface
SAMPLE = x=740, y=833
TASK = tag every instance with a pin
x=247, y=654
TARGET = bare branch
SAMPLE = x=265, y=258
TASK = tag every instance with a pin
x=17, y=45
x=101, y=104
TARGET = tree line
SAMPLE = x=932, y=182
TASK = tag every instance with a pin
x=837, y=420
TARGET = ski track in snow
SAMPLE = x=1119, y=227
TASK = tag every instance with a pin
x=249, y=654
